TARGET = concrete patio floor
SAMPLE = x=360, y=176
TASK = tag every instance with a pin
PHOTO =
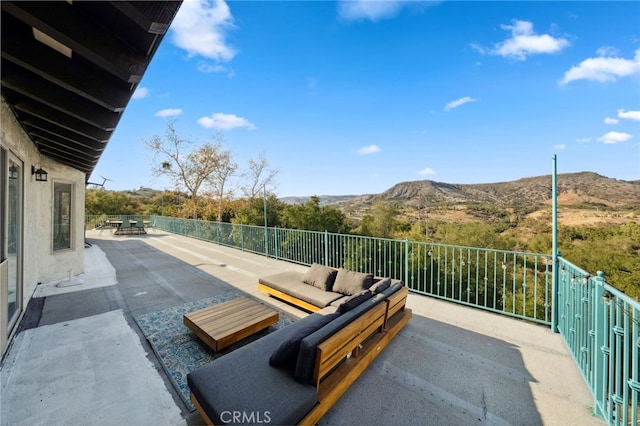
x=451, y=365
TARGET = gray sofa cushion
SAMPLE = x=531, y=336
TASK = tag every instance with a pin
x=287, y=351
x=320, y=276
x=355, y=300
x=380, y=285
x=351, y=282
x=291, y=284
x=282, y=279
x=244, y=381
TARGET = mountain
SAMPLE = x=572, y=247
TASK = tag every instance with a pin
x=573, y=188
x=324, y=199
x=584, y=188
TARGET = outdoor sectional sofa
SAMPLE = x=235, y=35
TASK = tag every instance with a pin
x=295, y=374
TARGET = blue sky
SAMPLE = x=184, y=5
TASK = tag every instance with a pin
x=354, y=97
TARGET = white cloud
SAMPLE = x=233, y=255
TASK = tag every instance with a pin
x=375, y=10
x=222, y=121
x=170, y=112
x=200, y=28
x=140, y=93
x=607, y=51
x=583, y=140
x=208, y=68
x=455, y=104
x=524, y=42
x=612, y=138
x=369, y=149
x=610, y=120
x=371, y=10
x=560, y=147
x=631, y=115
x=603, y=68
x=427, y=172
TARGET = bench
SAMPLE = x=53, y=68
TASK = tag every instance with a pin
x=242, y=387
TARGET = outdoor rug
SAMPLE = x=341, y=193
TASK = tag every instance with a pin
x=179, y=350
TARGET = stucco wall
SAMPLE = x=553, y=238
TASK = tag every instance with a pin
x=41, y=263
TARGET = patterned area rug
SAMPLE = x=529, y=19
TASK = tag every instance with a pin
x=179, y=350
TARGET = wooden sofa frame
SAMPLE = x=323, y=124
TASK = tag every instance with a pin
x=288, y=298
x=344, y=356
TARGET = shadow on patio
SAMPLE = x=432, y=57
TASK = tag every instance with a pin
x=449, y=365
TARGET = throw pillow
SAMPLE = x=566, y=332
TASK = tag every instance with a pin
x=381, y=285
x=351, y=282
x=354, y=301
x=287, y=350
x=320, y=276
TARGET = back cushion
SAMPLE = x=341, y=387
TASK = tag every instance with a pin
x=353, y=301
x=320, y=276
x=381, y=285
x=287, y=352
x=351, y=282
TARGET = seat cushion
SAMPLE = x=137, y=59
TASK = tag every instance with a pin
x=290, y=282
x=282, y=279
x=243, y=382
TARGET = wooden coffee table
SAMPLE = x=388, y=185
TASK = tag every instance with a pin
x=225, y=323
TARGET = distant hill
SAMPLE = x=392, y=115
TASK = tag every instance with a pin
x=584, y=188
x=324, y=199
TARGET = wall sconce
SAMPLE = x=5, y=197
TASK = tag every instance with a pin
x=41, y=174
x=13, y=172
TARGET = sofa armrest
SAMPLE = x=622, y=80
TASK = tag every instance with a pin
x=345, y=341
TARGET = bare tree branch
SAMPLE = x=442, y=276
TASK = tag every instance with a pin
x=259, y=176
x=187, y=168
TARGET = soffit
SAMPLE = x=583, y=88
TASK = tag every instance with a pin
x=69, y=105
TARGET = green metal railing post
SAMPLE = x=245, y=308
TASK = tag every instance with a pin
x=406, y=261
x=264, y=205
x=601, y=348
x=326, y=247
x=554, y=248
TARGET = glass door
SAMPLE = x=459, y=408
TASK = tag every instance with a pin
x=14, y=239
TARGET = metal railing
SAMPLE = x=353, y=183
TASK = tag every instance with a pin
x=512, y=283
x=103, y=221
x=600, y=326
x=598, y=323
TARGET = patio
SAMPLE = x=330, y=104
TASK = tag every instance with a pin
x=450, y=365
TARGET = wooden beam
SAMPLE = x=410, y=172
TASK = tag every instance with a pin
x=33, y=86
x=82, y=36
x=152, y=17
x=64, y=158
x=44, y=140
x=62, y=134
x=43, y=112
x=74, y=75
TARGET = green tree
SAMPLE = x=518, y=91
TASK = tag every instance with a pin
x=100, y=201
x=312, y=217
x=382, y=221
x=251, y=211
